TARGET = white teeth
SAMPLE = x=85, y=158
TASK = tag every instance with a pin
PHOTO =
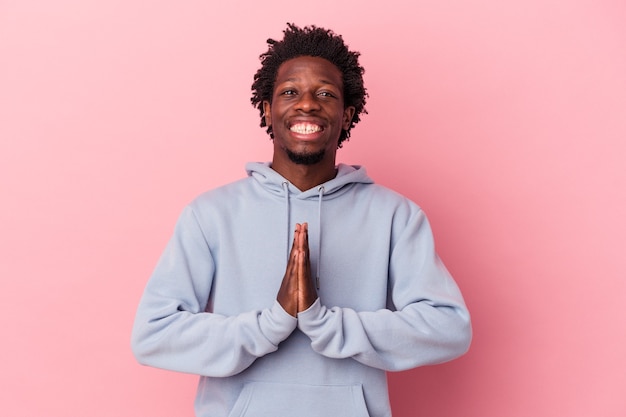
x=305, y=128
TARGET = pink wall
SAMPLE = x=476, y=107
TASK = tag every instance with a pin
x=505, y=120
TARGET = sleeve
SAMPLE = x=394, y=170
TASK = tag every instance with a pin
x=172, y=330
x=428, y=324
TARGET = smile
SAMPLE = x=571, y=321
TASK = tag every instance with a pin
x=305, y=128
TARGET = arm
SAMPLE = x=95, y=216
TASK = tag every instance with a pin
x=429, y=322
x=172, y=329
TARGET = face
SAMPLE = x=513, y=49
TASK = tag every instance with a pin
x=307, y=111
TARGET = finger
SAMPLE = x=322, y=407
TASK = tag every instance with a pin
x=301, y=267
x=306, y=289
x=305, y=238
x=295, y=246
x=288, y=292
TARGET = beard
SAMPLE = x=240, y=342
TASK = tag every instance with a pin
x=303, y=158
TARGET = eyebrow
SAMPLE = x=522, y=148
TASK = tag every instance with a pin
x=323, y=81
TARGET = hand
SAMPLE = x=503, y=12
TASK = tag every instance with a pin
x=297, y=291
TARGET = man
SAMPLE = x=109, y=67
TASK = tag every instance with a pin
x=292, y=291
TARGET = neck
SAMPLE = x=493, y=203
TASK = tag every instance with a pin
x=305, y=177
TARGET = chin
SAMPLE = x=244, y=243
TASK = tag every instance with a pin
x=306, y=158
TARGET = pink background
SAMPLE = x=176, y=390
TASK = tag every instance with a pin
x=505, y=120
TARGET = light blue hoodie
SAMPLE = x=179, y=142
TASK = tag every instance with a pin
x=386, y=302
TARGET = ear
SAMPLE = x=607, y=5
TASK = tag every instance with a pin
x=348, y=114
x=267, y=112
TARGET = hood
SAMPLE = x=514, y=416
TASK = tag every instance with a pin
x=275, y=183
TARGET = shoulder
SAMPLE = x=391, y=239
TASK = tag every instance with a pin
x=381, y=195
x=221, y=195
x=215, y=204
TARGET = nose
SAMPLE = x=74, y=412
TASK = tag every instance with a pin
x=308, y=102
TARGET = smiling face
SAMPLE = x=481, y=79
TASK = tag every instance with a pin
x=307, y=111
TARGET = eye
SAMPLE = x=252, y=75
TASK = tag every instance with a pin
x=325, y=94
x=289, y=93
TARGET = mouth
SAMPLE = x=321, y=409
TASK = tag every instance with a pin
x=305, y=128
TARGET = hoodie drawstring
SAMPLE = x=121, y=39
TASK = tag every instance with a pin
x=285, y=186
x=319, y=235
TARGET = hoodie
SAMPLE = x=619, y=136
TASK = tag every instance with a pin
x=385, y=300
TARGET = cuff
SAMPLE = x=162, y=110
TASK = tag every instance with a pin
x=277, y=324
x=311, y=318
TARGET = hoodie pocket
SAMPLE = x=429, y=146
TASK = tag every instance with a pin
x=267, y=399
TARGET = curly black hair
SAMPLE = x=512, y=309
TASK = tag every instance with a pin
x=317, y=42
